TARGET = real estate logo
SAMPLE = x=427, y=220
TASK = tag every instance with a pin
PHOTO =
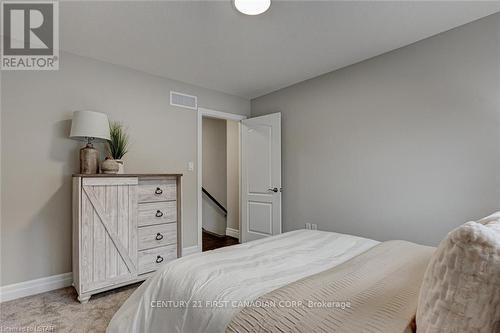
x=30, y=35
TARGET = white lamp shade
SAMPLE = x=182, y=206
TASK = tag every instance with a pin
x=89, y=124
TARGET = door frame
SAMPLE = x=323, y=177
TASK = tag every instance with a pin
x=205, y=112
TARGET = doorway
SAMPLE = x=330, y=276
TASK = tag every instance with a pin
x=218, y=179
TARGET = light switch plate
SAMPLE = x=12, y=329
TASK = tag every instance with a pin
x=190, y=166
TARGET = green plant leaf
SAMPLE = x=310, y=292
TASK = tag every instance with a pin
x=119, y=141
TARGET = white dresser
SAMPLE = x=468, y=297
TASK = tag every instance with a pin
x=124, y=228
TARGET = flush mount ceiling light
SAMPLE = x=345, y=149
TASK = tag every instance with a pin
x=252, y=7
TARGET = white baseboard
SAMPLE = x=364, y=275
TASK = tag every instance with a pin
x=37, y=286
x=233, y=233
x=190, y=250
x=41, y=285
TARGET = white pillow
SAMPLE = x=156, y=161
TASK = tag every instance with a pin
x=495, y=217
x=460, y=291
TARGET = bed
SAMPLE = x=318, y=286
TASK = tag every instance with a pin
x=323, y=280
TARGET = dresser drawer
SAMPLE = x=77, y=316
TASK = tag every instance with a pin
x=157, y=235
x=152, y=190
x=150, y=260
x=157, y=213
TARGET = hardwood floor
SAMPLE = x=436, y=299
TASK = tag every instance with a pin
x=212, y=242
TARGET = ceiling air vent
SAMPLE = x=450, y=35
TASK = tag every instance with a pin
x=183, y=100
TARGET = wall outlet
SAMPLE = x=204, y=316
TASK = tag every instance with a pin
x=314, y=226
x=308, y=226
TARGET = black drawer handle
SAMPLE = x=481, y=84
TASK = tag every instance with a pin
x=159, y=236
x=158, y=191
x=159, y=213
x=159, y=259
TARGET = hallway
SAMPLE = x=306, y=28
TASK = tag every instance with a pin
x=212, y=242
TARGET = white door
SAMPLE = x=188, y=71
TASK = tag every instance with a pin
x=260, y=177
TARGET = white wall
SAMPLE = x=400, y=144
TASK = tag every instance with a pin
x=38, y=158
x=213, y=218
x=403, y=146
x=233, y=174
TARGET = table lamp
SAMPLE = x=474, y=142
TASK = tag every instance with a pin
x=89, y=126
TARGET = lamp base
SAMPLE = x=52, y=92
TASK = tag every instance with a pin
x=89, y=160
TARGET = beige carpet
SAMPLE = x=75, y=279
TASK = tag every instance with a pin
x=59, y=311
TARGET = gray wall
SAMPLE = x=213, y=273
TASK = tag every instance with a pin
x=403, y=146
x=214, y=158
x=221, y=140
x=214, y=174
x=38, y=158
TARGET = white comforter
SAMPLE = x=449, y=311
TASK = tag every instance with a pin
x=202, y=292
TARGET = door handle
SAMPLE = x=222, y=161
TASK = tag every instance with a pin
x=275, y=190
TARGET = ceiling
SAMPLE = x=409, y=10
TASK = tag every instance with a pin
x=209, y=44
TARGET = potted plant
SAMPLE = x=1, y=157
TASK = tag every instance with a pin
x=118, y=144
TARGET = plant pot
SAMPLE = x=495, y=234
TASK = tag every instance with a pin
x=121, y=167
x=110, y=166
